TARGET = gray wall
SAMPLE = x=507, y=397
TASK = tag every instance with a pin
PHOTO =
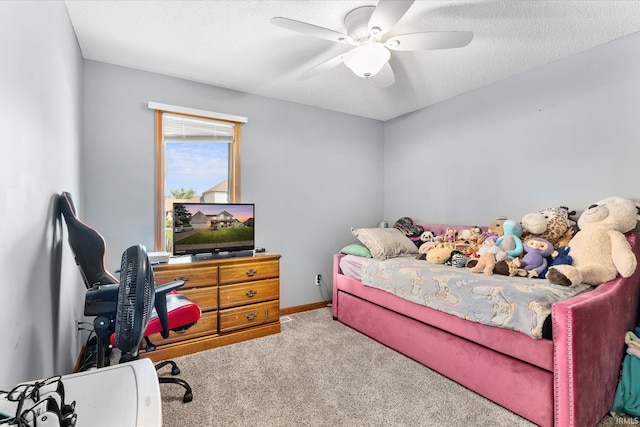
x=564, y=134
x=312, y=173
x=40, y=118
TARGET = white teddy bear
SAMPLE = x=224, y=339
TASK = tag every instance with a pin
x=600, y=250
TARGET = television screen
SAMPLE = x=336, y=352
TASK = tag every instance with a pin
x=203, y=228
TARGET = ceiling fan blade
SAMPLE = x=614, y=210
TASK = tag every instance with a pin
x=429, y=41
x=385, y=77
x=311, y=30
x=323, y=66
x=387, y=14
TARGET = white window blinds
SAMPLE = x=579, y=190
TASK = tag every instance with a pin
x=177, y=128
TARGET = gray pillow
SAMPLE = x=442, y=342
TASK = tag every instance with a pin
x=385, y=242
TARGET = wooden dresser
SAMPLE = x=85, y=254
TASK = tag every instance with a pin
x=239, y=299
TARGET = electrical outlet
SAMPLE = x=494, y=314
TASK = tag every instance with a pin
x=318, y=278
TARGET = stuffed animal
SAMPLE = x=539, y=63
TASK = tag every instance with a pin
x=600, y=250
x=470, y=235
x=458, y=259
x=509, y=243
x=406, y=225
x=450, y=235
x=535, y=261
x=439, y=254
x=549, y=224
x=427, y=236
x=495, y=227
x=426, y=242
x=511, y=267
x=476, y=233
x=464, y=234
x=561, y=257
x=494, y=230
x=487, y=259
x=567, y=236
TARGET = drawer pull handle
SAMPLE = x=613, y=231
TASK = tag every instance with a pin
x=252, y=315
x=251, y=272
x=250, y=293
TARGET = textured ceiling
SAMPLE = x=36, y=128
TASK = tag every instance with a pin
x=232, y=44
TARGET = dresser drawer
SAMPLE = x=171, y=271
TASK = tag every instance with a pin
x=207, y=325
x=205, y=298
x=249, y=315
x=249, y=293
x=249, y=271
x=193, y=277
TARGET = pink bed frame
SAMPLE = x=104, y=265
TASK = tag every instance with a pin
x=568, y=381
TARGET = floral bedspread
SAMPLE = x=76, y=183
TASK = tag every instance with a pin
x=516, y=303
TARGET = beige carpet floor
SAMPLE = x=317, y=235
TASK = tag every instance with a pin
x=318, y=372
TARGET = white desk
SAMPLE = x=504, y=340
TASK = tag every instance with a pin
x=122, y=395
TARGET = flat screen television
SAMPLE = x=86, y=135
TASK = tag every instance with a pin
x=213, y=228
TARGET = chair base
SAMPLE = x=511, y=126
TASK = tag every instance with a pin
x=188, y=394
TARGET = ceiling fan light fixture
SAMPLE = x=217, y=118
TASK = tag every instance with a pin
x=392, y=44
x=367, y=60
x=376, y=33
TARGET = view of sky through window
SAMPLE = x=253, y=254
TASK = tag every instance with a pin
x=196, y=165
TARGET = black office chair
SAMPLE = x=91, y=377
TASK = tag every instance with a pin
x=106, y=294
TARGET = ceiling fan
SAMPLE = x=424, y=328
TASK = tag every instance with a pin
x=366, y=28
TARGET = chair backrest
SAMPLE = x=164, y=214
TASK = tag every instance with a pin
x=88, y=246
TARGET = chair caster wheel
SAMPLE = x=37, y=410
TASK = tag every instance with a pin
x=175, y=371
x=188, y=397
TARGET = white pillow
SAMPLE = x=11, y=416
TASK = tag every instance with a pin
x=385, y=242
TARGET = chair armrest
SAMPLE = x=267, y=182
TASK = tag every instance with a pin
x=161, y=304
x=168, y=287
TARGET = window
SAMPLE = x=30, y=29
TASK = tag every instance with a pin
x=197, y=160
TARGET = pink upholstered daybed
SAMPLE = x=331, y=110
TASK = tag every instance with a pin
x=569, y=380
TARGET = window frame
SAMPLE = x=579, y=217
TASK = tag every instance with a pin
x=234, y=171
